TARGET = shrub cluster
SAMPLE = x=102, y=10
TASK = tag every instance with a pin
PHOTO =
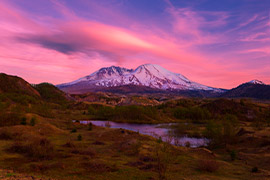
x=51, y=93
x=37, y=148
x=196, y=114
x=132, y=112
x=222, y=131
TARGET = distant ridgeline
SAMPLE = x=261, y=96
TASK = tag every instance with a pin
x=49, y=92
x=154, y=79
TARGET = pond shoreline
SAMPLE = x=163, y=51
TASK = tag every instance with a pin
x=162, y=130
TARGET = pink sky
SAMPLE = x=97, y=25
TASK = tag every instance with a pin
x=63, y=42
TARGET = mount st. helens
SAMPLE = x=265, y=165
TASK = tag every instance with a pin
x=147, y=77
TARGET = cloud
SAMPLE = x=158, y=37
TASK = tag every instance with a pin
x=88, y=37
x=194, y=43
x=192, y=27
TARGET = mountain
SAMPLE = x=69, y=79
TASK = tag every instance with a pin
x=148, y=76
x=255, y=81
x=16, y=89
x=252, y=89
x=13, y=84
x=50, y=93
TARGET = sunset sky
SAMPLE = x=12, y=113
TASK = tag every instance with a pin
x=220, y=43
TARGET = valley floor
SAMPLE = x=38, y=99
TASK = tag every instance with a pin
x=104, y=153
x=39, y=140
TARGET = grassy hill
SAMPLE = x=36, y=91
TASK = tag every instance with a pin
x=249, y=90
x=14, y=84
x=39, y=138
x=50, y=93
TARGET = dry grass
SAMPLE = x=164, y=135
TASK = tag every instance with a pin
x=208, y=165
x=99, y=167
x=105, y=153
x=37, y=148
x=87, y=151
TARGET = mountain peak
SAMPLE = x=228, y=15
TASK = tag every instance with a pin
x=147, y=75
x=111, y=71
x=150, y=65
x=117, y=68
x=255, y=81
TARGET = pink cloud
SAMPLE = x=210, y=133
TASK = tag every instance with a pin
x=62, y=50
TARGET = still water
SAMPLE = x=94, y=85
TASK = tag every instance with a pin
x=155, y=130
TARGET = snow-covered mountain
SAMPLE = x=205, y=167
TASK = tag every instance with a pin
x=147, y=75
x=252, y=89
x=255, y=81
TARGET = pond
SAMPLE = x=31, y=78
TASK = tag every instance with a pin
x=155, y=130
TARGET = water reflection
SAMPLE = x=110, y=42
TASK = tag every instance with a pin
x=155, y=130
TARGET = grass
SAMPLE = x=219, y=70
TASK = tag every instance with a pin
x=52, y=146
x=10, y=174
x=105, y=152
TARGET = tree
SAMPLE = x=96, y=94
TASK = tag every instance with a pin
x=163, y=156
x=223, y=131
x=79, y=137
x=23, y=121
x=33, y=121
x=230, y=128
x=90, y=126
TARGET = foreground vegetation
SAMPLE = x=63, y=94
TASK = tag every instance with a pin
x=103, y=153
x=38, y=138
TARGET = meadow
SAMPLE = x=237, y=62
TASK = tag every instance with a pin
x=38, y=138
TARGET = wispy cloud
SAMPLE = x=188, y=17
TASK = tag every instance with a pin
x=200, y=44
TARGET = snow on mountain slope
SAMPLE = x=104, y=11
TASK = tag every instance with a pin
x=255, y=81
x=150, y=75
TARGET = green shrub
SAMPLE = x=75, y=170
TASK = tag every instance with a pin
x=242, y=102
x=73, y=130
x=3, y=106
x=230, y=128
x=92, y=110
x=196, y=114
x=23, y=121
x=10, y=175
x=213, y=131
x=37, y=148
x=132, y=112
x=33, y=121
x=223, y=131
x=183, y=129
x=159, y=140
x=105, y=112
x=90, y=127
x=44, y=109
x=187, y=144
x=137, y=113
x=255, y=169
x=107, y=124
x=233, y=155
x=50, y=93
x=79, y=137
x=22, y=99
x=163, y=156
